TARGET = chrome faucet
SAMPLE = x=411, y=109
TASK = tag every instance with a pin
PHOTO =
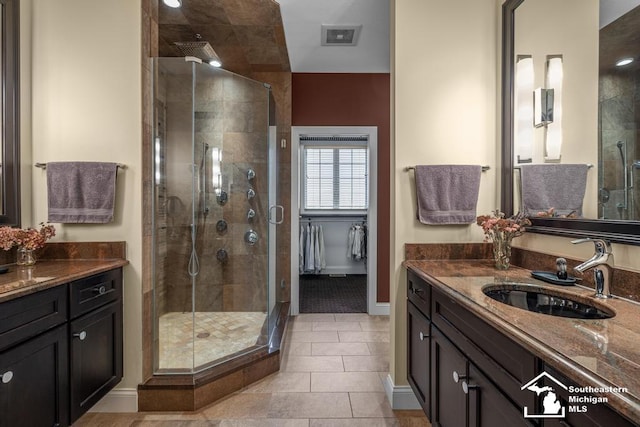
x=602, y=264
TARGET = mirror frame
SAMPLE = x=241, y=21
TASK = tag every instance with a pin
x=626, y=232
x=10, y=162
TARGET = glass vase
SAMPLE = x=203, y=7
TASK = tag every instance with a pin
x=25, y=257
x=502, y=249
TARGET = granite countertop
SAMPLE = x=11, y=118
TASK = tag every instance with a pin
x=597, y=353
x=20, y=281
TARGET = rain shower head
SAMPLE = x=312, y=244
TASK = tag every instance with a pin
x=199, y=49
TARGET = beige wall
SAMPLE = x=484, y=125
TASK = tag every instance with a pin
x=446, y=84
x=446, y=93
x=85, y=94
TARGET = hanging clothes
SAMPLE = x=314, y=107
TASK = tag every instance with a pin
x=312, y=251
x=357, y=242
x=301, y=249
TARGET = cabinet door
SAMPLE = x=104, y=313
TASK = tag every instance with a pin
x=33, y=382
x=96, y=356
x=580, y=415
x=418, y=356
x=448, y=401
x=487, y=405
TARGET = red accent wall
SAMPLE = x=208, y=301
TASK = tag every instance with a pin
x=362, y=99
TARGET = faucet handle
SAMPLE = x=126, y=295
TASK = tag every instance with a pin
x=602, y=246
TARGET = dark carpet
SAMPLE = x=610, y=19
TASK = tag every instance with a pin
x=324, y=294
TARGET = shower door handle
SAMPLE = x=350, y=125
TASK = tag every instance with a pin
x=274, y=219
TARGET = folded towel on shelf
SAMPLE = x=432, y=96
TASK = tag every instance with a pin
x=81, y=192
x=558, y=186
x=447, y=194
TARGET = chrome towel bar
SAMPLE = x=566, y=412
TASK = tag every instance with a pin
x=44, y=165
x=410, y=168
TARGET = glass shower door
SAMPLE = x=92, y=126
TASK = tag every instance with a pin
x=211, y=257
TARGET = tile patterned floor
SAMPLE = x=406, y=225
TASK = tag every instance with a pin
x=215, y=335
x=331, y=375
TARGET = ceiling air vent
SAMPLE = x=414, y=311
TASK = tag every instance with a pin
x=340, y=35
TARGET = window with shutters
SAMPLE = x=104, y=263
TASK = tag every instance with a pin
x=335, y=178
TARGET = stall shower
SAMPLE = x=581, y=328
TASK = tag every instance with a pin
x=619, y=179
x=213, y=189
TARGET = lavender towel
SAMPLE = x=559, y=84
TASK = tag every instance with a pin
x=447, y=194
x=558, y=186
x=81, y=192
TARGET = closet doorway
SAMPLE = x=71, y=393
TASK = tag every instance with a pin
x=334, y=220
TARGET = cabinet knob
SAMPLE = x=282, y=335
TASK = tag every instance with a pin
x=417, y=290
x=82, y=335
x=7, y=377
x=100, y=290
x=423, y=336
x=457, y=377
x=466, y=387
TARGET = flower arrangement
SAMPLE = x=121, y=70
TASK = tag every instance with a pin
x=551, y=213
x=501, y=231
x=28, y=238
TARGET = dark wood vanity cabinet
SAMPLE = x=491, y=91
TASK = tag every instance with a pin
x=462, y=395
x=34, y=381
x=95, y=334
x=56, y=361
x=471, y=374
x=418, y=340
x=596, y=415
x=419, y=356
x=442, y=363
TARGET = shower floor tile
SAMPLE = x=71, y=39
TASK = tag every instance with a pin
x=214, y=334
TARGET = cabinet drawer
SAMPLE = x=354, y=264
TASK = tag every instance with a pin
x=94, y=291
x=419, y=293
x=504, y=361
x=25, y=317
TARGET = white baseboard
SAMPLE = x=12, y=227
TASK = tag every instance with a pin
x=118, y=400
x=400, y=397
x=380, y=309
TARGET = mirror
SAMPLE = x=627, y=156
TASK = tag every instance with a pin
x=10, y=124
x=599, y=114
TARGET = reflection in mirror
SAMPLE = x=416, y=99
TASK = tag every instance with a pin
x=619, y=105
x=591, y=119
x=10, y=124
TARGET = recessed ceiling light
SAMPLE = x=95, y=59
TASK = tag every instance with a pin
x=623, y=62
x=215, y=63
x=173, y=3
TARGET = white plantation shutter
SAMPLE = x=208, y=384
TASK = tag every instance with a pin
x=335, y=173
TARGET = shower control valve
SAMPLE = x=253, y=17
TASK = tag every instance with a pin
x=222, y=255
x=251, y=214
x=251, y=194
x=251, y=174
x=251, y=237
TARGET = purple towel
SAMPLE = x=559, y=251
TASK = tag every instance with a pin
x=81, y=192
x=558, y=186
x=447, y=194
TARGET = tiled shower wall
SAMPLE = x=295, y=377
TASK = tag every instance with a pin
x=281, y=90
x=231, y=114
x=619, y=121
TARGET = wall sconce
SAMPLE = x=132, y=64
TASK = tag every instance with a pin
x=542, y=107
x=523, y=127
x=216, y=170
x=553, y=137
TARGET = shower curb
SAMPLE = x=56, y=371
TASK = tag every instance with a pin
x=190, y=392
